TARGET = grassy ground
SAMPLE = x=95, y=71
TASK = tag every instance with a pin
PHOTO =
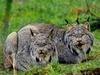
x=51, y=11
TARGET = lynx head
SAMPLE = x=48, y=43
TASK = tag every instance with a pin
x=78, y=34
x=42, y=48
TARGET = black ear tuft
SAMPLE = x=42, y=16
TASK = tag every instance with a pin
x=66, y=21
x=77, y=20
x=88, y=18
x=63, y=38
x=31, y=32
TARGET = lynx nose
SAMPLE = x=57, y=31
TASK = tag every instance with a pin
x=41, y=51
x=79, y=40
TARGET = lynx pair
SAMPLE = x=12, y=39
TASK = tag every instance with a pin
x=42, y=43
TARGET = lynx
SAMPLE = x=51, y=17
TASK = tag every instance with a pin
x=41, y=51
x=78, y=41
x=70, y=54
x=32, y=45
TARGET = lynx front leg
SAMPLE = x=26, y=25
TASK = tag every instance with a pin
x=7, y=61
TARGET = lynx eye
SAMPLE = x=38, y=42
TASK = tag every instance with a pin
x=73, y=34
x=43, y=44
x=82, y=34
x=36, y=43
x=40, y=44
x=49, y=49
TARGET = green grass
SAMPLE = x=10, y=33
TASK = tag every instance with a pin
x=50, y=11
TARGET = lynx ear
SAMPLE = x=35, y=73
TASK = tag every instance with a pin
x=32, y=34
x=87, y=26
x=50, y=34
x=69, y=26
